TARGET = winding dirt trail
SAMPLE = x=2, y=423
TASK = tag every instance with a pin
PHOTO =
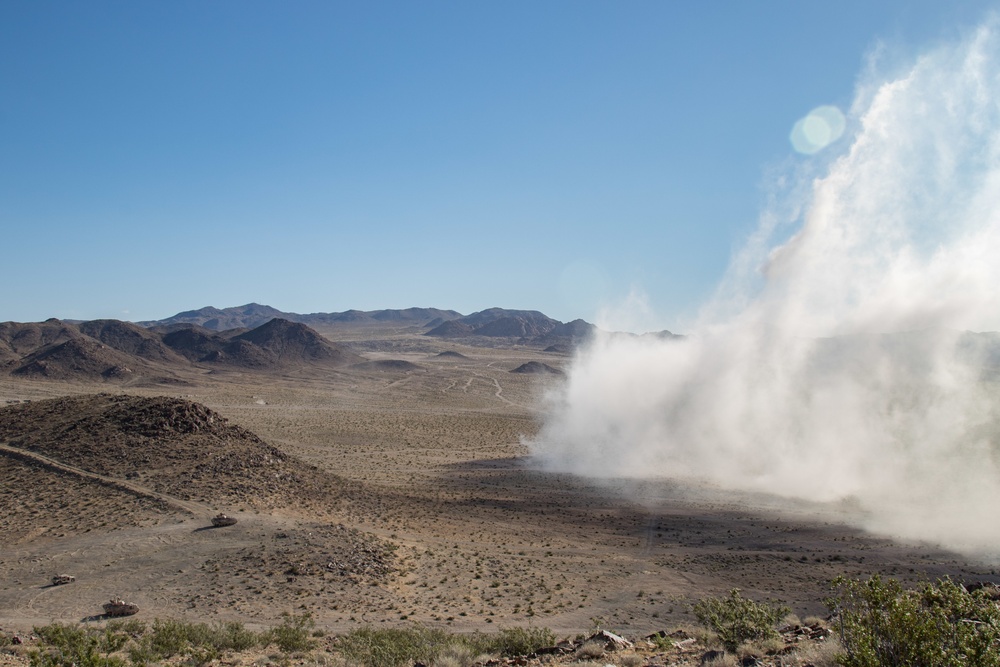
x=192, y=507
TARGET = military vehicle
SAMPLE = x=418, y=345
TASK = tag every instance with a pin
x=118, y=607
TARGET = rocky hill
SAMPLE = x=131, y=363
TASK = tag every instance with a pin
x=537, y=367
x=114, y=351
x=79, y=358
x=293, y=342
x=523, y=327
x=170, y=445
x=220, y=319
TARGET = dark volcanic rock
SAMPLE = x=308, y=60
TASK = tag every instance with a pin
x=77, y=359
x=497, y=323
x=451, y=329
x=482, y=317
x=450, y=354
x=193, y=342
x=115, y=350
x=18, y=339
x=244, y=354
x=130, y=339
x=515, y=327
x=537, y=367
x=294, y=343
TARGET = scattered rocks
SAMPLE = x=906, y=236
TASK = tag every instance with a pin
x=610, y=640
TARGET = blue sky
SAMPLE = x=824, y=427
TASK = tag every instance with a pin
x=321, y=156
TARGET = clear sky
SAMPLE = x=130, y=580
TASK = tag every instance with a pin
x=320, y=156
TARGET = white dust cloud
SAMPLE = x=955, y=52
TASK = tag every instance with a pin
x=834, y=365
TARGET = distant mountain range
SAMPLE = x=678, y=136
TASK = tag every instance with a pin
x=254, y=314
x=255, y=337
x=115, y=350
x=525, y=326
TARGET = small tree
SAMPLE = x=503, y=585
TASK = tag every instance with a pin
x=737, y=619
x=881, y=623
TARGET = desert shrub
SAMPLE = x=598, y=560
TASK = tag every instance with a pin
x=881, y=623
x=294, y=633
x=169, y=637
x=132, y=627
x=74, y=646
x=392, y=647
x=198, y=642
x=457, y=655
x=737, y=619
x=59, y=635
x=140, y=654
x=233, y=636
x=819, y=654
x=718, y=659
x=512, y=642
x=590, y=651
x=630, y=660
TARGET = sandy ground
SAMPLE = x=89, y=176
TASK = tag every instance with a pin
x=456, y=526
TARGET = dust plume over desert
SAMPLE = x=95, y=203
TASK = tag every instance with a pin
x=502, y=468
x=838, y=359
x=376, y=468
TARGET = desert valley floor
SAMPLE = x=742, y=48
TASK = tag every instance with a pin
x=407, y=496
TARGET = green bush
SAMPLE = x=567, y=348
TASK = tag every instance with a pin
x=393, y=647
x=881, y=623
x=293, y=635
x=169, y=637
x=74, y=646
x=513, y=642
x=737, y=619
x=232, y=636
x=198, y=642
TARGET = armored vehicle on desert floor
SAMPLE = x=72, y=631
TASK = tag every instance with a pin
x=220, y=520
x=118, y=607
x=60, y=579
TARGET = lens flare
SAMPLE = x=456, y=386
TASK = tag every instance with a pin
x=820, y=128
x=837, y=362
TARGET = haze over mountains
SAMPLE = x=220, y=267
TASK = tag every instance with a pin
x=254, y=314
x=492, y=322
x=247, y=338
x=256, y=337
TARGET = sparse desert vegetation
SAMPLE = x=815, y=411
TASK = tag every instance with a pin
x=874, y=622
x=394, y=507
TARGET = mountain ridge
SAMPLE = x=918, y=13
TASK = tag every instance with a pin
x=112, y=350
x=252, y=315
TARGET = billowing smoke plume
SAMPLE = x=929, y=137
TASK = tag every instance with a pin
x=838, y=363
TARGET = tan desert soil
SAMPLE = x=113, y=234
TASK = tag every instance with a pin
x=423, y=506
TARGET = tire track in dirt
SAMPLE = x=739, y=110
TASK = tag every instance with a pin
x=498, y=394
x=33, y=458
